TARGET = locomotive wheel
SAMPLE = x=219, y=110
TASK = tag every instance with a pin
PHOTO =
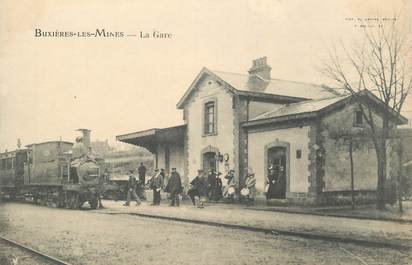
x=73, y=200
x=43, y=200
x=60, y=200
x=94, y=203
x=12, y=196
x=76, y=203
x=66, y=200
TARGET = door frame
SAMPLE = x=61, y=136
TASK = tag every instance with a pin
x=209, y=149
x=285, y=145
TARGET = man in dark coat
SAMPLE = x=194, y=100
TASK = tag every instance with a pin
x=198, y=188
x=163, y=172
x=131, y=190
x=156, y=184
x=142, y=173
x=273, y=184
x=211, y=181
x=142, y=180
x=217, y=188
x=140, y=190
x=193, y=192
x=174, y=187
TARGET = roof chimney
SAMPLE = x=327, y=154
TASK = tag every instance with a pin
x=260, y=68
x=86, y=137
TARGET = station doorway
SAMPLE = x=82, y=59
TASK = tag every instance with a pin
x=209, y=161
x=277, y=174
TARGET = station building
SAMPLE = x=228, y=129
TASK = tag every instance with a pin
x=252, y=122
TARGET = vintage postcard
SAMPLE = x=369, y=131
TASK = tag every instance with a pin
x=205, y=132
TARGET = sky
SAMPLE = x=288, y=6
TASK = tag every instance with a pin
x=49, y=87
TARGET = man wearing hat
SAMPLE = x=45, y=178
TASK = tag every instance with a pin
x=174, y=187
x=211, y=181
x=156, y=185
x=163, y=172
x=131, y=190
x=271, y=182
x=217, y=187
x=198, y=187
x=142, y=173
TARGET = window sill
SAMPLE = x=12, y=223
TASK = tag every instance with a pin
x=209, y=134
x=359, y=125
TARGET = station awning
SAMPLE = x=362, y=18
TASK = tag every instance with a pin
x=149, y=139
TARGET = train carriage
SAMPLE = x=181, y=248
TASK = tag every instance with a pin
x=12, y=171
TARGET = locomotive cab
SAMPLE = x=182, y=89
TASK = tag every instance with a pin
x=74, y=178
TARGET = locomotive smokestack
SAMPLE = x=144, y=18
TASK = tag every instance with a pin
x=86, y=137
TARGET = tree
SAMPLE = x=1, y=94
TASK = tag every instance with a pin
x=351, y=137
x=380, y=64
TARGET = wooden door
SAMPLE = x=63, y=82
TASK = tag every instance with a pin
x=209, y=161
x=276, y=173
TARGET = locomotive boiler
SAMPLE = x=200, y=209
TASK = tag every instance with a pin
x=58, y=172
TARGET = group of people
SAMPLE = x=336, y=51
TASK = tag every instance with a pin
x=210, y=187
x=136, y=187
x=203, y=187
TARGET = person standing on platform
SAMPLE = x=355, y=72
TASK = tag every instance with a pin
x=197, y=188
x=217, y=188
x=249, y=190
x=140, y=190
x=131, y=190
x=271, y=182
x=156, y=185
x=163, y=172
x=230, y=188
x=174, y=187
x=141, y=182
x=211, y=181
x=142, y=173
x=202, y=187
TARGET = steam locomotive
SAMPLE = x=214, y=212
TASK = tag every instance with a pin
x=56, y=172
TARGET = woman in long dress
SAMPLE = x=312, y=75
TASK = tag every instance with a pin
x=230, y=188
x=250, y=185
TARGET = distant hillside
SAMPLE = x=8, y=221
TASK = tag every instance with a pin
x=120, y=158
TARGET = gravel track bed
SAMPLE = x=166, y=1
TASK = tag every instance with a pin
x=89, y=237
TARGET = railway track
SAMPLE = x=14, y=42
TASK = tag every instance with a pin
x=36, y=253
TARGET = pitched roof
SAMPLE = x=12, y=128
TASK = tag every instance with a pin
x=300, y=107
x=275, y=86
x=311, y=108
x=255, y=86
